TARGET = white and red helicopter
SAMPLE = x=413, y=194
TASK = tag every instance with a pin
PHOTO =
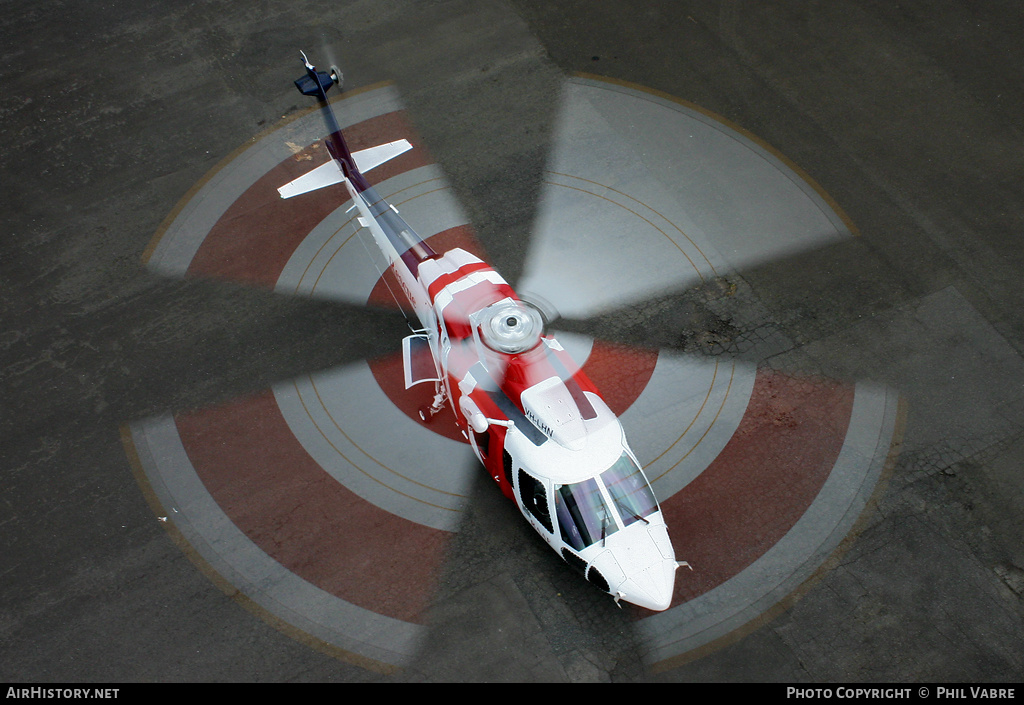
x=538, y=425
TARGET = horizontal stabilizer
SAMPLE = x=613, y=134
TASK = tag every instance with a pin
x=324, y=175
x=367, y=159
x=330, y=173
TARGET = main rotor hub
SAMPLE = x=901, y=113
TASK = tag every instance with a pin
x=511, y=327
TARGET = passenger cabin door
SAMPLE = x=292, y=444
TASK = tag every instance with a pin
x=418, y=360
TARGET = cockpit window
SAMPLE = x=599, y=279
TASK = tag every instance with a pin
x=628, y=488
x=583, y=516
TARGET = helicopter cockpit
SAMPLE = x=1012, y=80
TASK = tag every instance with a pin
x=587, y=515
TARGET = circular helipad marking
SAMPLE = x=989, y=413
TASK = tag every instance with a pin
x=343, y=423
x=327, y=504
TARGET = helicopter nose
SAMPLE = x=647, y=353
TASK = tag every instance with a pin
x=652, y=587
x=639, y=566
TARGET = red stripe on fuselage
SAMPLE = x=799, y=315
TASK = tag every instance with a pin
x=467, y=302
x=444, y=280
x=387, y=288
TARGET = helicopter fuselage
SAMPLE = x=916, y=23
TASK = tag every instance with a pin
x=533, y=418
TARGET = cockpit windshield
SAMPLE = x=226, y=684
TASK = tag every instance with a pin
x=628, y=488
x=584, y=514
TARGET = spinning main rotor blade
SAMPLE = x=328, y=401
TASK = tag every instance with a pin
x=646, y=196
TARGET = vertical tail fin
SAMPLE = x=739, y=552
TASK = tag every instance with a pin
x=345, y=165
x=317, y=83
x=393, y=235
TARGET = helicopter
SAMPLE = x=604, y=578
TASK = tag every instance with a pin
x=534, y=420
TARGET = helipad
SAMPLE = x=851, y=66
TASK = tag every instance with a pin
x=326, y=505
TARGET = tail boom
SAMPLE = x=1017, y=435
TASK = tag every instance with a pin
x=400, y=244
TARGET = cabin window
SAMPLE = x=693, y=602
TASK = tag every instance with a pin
x=507, y=462
x=534, y=497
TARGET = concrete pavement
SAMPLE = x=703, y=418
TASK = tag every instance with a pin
x=908, y=117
